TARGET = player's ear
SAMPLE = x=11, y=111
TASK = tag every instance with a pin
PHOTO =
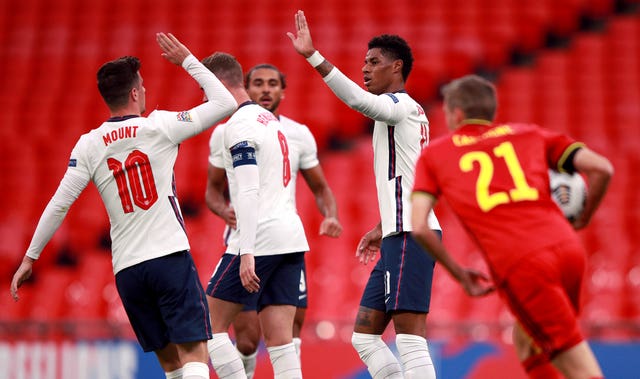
x=458, y=115
x=134, y=94
x=397, y=65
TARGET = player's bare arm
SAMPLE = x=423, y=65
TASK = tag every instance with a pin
x=474, y=282
x=303, y=44
x=214, y=196
x=173, y=50
x=325, y=201
x=369, y=245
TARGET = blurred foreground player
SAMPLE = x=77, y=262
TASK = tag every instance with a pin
x=495, y=178
x=130, y=159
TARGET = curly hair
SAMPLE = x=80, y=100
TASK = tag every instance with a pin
x=394, y=47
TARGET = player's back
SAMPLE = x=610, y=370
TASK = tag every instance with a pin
x=131, y=162
x=396, y=147
x=495, y=178
x=279, y=226
x=303, y=150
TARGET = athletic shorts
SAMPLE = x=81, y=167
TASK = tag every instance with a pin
x=302, y=294
x=279, y=280
x=543, y=293
x=401, y=280
x=165, y=301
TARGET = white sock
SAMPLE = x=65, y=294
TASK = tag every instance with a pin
x=285, y=362
x=225, y=358
x=380, y=361
x=175, y=374
x=297, y=342
x=415, y=357
x=195, y=370
x=249, y=363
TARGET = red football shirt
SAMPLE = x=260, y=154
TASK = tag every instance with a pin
x=495, y=178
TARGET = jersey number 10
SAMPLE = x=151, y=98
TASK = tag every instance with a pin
x=138, y=170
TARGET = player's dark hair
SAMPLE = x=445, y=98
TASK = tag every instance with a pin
x=116, y=78
x=474, y=95
x=247, y=77
x=226, y=67
x=394, y=47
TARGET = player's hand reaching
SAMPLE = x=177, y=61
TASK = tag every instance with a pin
x=229, y=216
x=369, y=245
x=172, y=49
x=250, y=280
x=476, y=283
x=302, y=40
x=23, y=273
x=331, y=227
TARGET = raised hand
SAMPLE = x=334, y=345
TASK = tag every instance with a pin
x=172, y=49
x=302, y=40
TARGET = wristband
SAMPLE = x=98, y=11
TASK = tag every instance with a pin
x=315, y=59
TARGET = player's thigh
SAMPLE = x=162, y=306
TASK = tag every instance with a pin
x=280, y=279
x=141, y=308
x=164, y=300
x=408, y=274
x=225, y=283
x=536, y=294
x=277, y=322
x=246, y=328
x=181, y=298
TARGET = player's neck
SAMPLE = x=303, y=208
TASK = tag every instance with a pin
x=125, y=111
x=239, y=94
x=394, y=87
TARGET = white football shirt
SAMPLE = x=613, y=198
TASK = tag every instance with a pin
x=303, y=154
x=400, y=132
x=279, y=228
x=130, y=159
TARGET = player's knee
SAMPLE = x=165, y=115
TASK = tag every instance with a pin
x=364, y=343
x=247, y=346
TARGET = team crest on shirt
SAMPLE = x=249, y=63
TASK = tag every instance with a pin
x=184, y=116
x=73, y=162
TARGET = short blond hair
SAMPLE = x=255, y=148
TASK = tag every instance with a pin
x=474, y=95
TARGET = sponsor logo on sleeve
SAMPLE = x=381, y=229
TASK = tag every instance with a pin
x=73, y=162
x=184, y=116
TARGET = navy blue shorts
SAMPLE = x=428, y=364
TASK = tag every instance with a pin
x=165, y=301
x=302, y=294
x=279, y=280
x=401, y=280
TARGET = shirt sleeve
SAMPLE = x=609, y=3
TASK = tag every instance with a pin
x=75, y=180
x=186, y=124
x=385, y=107
x=248, y=179
x=308, y=149
x=216, y=147
x=424, y=180
x=559, y=148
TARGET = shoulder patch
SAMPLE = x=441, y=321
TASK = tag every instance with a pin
x=392, y=96
x=73, y=162
x=184, y=116
x=240, y=145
